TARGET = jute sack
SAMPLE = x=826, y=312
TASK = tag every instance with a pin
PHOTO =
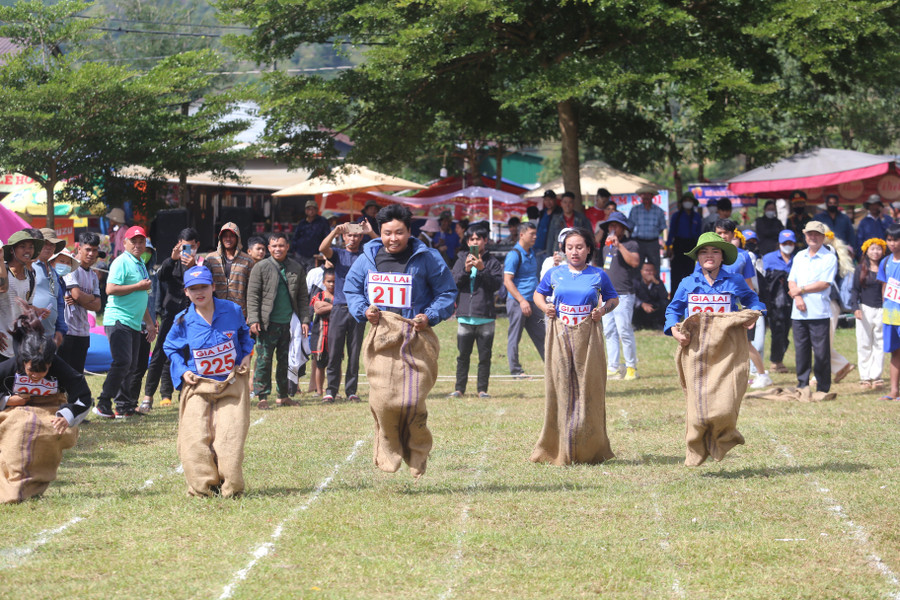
x=213, y=420
x=401, y=365
x=575, y=389
x=30, y=449
x=713, y=370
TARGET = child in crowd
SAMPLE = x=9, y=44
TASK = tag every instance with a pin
x=209, y=346
x=321, y=304
x=256, y=248
x=889, y=275
x=866, y=301
x=651, y=299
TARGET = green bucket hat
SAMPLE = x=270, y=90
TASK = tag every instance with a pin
x=729, y=251
x=21, y=236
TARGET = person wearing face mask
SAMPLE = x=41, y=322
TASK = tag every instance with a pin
x=798, y=218
x=774, y=293
x=712, y=214
x=768, y=226
x=839, y=223
x=685, y=227
x=873, y=225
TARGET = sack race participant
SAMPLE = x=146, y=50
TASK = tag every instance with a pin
x=42, y=400
x=713, y=353
x=399, y=275
x=575, y=356
x=210, y=347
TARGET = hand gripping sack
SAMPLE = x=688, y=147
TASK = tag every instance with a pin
x=575, y=388
x=30, y=449
x=401, y=365
x=213, y=420
x=713, y=370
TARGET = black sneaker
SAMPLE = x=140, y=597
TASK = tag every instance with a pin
x=104, y=412
x=126, y=414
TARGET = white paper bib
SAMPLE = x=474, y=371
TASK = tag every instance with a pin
x=892, y=290
x=217, y=360
x=389, y=290
x=714, y=303
x=573, y=315
x=24, y=385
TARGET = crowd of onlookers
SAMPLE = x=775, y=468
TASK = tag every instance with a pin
x=290, y=289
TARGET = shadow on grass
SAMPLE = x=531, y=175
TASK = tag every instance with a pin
x=648, y=391
x=765, y=472
x=650, y=459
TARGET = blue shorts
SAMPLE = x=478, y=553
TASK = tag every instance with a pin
x=891, y=337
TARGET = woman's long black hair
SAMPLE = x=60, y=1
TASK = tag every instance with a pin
x=30, y=344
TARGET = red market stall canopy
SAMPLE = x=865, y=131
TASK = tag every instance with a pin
x=456, y=183
x=849, y=174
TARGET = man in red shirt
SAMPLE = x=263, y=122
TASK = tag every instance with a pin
x=596, y=213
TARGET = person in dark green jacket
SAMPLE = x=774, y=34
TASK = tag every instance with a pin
x=276, y=291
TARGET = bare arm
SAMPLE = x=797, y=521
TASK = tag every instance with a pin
x=115, y=289
x=511, y=287
x=325, y=246
x=633, y=259
x=85, y=300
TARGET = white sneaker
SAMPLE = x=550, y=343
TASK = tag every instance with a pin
x=762, y=381
x=613, y=374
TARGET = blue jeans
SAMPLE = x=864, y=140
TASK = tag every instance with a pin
x=617, y=326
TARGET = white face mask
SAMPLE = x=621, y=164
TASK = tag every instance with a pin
x=713, y=210
x=687, y=205
x=787, y=248
x=771, y=214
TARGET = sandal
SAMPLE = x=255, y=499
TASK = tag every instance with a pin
x=166, y=402
x=145, y=407
x=285, y=402
x=262, y=405
x=866, y=385
x=888, y=399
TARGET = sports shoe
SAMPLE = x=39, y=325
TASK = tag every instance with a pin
x=630, y=374
x=127, y=414
x=483, y=395
x=762, y=381
x=613, y=375
x=104, y=413
x=327, y=399
x=455, y=394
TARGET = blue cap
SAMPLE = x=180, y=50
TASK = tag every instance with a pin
x=712, y=202
x=749, y=234
x=787, y=236
x=197, y=276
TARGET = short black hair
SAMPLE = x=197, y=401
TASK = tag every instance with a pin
x=568, y=195
x=513, y=221
x=604, y=193
x=477, y=230
x=893, y=231
x=395, y=212
x=830, y=196
x=533, y=213
x=585, y=235
x=88, y=238
x=327, y=272
x=256, y=239
x=724, y=203
x=463, y=223
x=726, y=224
x=768, y=203
x=277, y=235
x=189, y=234
x=527, y=225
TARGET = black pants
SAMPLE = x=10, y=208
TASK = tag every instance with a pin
x=124, y=345
x=780, y=325
x=682, y=266
x=158, y=374
x=143, y=357
x=812, y=337
x=466, y=337
x=343, y=331
x=74, y=351
x=648, y=250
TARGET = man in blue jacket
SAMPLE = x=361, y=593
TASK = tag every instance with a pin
x=400, y=274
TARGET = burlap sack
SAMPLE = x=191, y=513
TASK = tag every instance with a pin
x=575, y=388
x=30, y=449
x=213, y=420
x=713, y=370
x=401, y=365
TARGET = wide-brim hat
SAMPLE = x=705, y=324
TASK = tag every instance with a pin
x=50, y=236
x=729, y=251
x=647, y=189
x=372, y=203
x=615, y=217
x=68, y=254
x=431, y=226
x=816, y=226
x=18, y=237
x=116, y=215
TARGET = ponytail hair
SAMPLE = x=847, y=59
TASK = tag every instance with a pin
x=30, y=344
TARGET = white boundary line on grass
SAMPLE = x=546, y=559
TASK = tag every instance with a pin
x=265, y=548
x=463, y=530
x=677, y=589
x=855, y=532
x=15, y=556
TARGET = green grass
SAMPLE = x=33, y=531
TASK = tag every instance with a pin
x=800, y=511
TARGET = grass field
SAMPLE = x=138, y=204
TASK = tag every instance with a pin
x=806, y=509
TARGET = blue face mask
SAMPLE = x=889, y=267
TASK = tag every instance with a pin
x=62, y=269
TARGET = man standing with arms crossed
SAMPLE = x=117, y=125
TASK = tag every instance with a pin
x=520, y=277
x=343, y=329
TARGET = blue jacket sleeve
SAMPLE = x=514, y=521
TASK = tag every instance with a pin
x=749, y=299
x=60, y=304
x=443, y=288
x=175, y=343
x=355, y=289
x=676, y=308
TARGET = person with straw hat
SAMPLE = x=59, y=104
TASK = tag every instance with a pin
x=49, y=290
x=712, y=288
x=116, y=231
x=19, y=252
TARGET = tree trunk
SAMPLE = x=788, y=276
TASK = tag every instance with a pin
x=676, y=175
x=500, y=151
x=183, y=194
x=568, y=130
x=49, y=185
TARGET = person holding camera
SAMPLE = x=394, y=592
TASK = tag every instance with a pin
x=171, y=280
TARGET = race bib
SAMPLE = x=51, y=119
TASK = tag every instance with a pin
x=573, y=315
x=390, y=290
x=607, y=262
x=217, y=360
x=714, y=303
x=24, y=385
x=892, y=290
